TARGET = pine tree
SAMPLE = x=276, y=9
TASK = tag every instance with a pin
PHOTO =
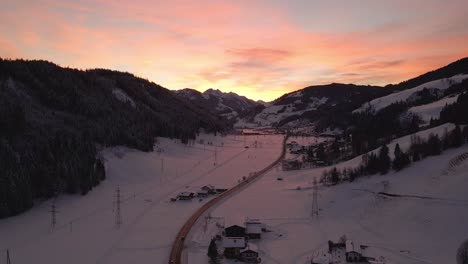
x=397, y=161
x=384, y=160
x=456, y=138
x=213, y=251
x=335, y=176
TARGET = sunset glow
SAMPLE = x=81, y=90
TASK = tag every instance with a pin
x=260, y=49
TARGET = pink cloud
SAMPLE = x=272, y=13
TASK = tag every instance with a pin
x=252, y=47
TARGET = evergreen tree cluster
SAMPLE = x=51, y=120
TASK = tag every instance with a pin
x=54, y=120
x=380, y=162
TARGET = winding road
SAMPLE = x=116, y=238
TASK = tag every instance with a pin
x=178, y=245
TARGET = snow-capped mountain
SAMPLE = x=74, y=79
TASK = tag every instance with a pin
x=228, y=105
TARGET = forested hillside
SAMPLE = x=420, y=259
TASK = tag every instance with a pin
x=53, y=121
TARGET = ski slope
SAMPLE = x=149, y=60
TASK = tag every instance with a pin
x=382, y=102
x=86, y=231
x=401, y=230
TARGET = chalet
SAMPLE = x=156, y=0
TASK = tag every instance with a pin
x=209, y=188
x=250, y=254
x=233, y=246
x=253, y=229
x=352, y=253
x=234, y=231
x=202, y=193
x=185, y=196
x=336, y=248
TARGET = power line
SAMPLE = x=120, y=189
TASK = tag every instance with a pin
x=53, y=214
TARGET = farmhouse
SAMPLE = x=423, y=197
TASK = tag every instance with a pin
x=210, y=189
x=185, y=196
x=250, y=254
x=233, y=246
x=253, y=229
x=234, y=231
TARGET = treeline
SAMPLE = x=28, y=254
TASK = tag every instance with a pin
x=380, y=161
x=370, y=129
x=54, y=120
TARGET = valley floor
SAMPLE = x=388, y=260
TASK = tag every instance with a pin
x=400, y=229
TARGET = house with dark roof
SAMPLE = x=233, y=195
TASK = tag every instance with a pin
x=234, y=231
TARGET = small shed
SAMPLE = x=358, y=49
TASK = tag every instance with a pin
x=249, y=256
x=234, y=231
x=185, y=196
x=202, y=193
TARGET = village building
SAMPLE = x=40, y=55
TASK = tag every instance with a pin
x=234, y=231
x=352, y=253
x=291, y=165
x=250, y=254
x=202, y=193
x=185, y=196
x=253, y=229
x=210, y=189
x=233, y=246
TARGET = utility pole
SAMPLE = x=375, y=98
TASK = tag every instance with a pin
x=315, y=207
x=53, y=214
x=216, y=156
x=8, y=260
x=118, y=216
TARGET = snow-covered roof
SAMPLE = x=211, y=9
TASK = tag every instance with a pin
x=251, y=246
x=350, y=247
x=233, y=242
x=253, y=227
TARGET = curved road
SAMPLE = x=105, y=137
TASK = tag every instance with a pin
x=178, y=246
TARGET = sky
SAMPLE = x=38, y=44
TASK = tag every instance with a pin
x=257, y=48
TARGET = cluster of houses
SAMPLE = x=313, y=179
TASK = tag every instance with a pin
x=345, y=252
x=235, y=241
x=203, y=192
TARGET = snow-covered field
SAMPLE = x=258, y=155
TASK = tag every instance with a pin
x=402, y=230
x=86, y=231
